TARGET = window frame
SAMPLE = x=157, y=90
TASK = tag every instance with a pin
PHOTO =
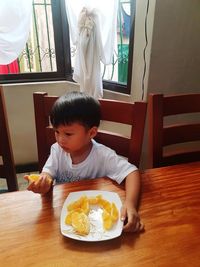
x=63, y=59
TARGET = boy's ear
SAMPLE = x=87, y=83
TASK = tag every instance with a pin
x=93, y=131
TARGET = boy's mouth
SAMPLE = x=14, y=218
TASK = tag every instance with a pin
x=64, y=148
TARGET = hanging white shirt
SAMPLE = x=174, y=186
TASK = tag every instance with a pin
x=15, y=22
x=102, y=161
x=93, y=26
x=87, y=69
x=107, y=12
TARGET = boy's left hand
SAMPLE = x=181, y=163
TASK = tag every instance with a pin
x=42, y=185
x=130, y=214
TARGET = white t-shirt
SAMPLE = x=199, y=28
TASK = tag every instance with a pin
x=102, y=161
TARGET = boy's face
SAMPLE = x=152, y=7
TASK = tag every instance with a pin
x=74, y=138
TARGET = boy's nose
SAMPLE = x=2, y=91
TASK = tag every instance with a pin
x=60, y=140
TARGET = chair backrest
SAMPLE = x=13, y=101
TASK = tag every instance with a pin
x=114, y=111
x=7, y=167
x=176, y=139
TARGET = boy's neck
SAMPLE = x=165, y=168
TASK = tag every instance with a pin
x=80, y=156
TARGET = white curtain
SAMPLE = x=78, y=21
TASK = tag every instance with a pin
x=15, y=21
x=93, y=29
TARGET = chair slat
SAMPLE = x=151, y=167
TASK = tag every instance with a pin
x=183, y=158
x=117, y=142
x=110, y=108
x=180, y=133
x=7, y=168
x=183, y=133
x=179, y=104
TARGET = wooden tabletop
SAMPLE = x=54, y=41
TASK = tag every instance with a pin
x=170, y=203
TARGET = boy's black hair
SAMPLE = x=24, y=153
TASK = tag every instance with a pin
x=76, y=107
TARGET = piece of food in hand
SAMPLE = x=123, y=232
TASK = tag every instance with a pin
x=35, y=177
x=80, y=223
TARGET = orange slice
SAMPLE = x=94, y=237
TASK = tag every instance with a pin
x=107, y=220
x=80, y=223
x=85, y=206
x=68, y=218
x=74, y=205
x=114, y=212
x=33, y=177
x=81, y=203
x=93, y=200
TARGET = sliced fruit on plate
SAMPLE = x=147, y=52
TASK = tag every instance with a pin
x=107, y=220
x=80, y=223
x=81, y=203
x=68, y=218
x=80, y=208
x=114, y=212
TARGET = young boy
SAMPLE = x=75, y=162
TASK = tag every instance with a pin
x=76, y=156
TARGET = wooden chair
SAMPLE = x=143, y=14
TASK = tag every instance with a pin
x=174, y=142
x=7, y=167
x=115, y=111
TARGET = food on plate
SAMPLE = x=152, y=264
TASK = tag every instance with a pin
x=80, y=223
x=68, y=218
x=114, y=213
x=79, y=209
x=107, y=220
x=81, y=203
x=110, y=216
x=93, y=200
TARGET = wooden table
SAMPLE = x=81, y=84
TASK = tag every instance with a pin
x=170, y=209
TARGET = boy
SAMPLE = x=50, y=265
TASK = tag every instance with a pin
x=76, y=156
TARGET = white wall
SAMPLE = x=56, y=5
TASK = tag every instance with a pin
x=172, y=66
x=175, y=54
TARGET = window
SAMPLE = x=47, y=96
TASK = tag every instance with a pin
x=48, y=54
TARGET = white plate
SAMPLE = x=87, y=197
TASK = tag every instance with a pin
x=97, y=233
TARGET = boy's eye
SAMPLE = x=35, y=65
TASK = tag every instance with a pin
x=68, y=134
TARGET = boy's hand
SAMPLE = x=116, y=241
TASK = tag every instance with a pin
x=41, y=185
x=130, y=214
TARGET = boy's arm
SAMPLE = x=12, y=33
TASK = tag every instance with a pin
x=132, y=185
x=129, y=209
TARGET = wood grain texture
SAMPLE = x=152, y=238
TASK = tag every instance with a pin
x=169, y=207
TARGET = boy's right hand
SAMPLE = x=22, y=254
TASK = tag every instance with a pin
x=41, y=185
